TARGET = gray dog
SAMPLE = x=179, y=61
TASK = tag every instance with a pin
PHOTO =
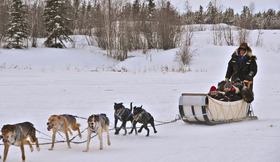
x=17, y=135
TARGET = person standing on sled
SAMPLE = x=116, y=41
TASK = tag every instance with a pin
x=242, y=65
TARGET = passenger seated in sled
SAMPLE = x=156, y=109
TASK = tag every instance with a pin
x=214, y=93
x=244, y=92
x=230, y=94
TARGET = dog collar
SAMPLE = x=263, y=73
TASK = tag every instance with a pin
x=94, y=131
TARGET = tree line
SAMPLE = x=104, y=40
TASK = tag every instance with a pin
x=116, y=26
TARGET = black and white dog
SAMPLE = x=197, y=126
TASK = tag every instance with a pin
x=123, y=114
x=98, y=123
x=142, y=116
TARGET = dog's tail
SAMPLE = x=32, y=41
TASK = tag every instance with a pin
x=130, y=106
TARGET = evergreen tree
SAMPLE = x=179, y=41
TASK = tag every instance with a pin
x=199, y=16
x=211, y=14
x=246, y=18
x=228, y=16
x=270, y=20
x=136, y=9
x=4, y=16
x=151, y=10
x=57, y=25
x=18, y=29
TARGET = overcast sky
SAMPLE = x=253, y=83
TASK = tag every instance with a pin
x=237, y=5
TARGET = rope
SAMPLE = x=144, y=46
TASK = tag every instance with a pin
x=178, y=117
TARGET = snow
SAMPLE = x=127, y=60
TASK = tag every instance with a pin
x=40, y=82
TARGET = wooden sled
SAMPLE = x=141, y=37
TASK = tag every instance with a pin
x=201, y=108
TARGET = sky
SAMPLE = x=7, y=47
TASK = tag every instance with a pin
x=237, y=5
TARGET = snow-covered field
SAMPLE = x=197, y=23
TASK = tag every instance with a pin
x=37, y=83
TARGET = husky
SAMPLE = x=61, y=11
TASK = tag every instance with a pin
x=63, y=123
x=17, y=135
x=98, y=124
x=142, y=116
x=123, y=114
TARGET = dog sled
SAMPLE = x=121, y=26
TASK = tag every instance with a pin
x=201, y=108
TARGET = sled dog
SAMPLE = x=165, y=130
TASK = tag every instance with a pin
x=123, y=114
x=17, y=135
x=63, y=123
x=142, y=116
x=98, y=124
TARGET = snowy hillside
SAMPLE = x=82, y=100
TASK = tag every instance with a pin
x=40, y=82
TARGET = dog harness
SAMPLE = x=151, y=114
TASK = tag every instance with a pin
x=119, y=115
x=67, y=115
x=16, y=136
x=70, y=120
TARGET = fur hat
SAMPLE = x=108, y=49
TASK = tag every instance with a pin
x=245, y=47
x=213, y=89
x=228, y=85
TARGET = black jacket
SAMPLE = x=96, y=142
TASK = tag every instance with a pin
x=230, y=96
x=244, y=71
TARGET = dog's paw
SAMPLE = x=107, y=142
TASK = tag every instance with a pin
x=116, y=133
x=50, y=149
x=85, y=150
x=38, y=148
x=31, y=149
x=155, y=131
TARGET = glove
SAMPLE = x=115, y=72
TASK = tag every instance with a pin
x=245, y=82
x=227, y=80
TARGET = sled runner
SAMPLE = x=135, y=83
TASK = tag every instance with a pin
x=201, y=108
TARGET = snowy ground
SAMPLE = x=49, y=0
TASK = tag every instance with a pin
x=37, y=83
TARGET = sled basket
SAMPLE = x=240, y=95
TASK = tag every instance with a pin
x=201, y=108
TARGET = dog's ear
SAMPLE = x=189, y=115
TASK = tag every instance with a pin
x=141, y=106
x=90, y=118
x=59, y=117
x=96, y=118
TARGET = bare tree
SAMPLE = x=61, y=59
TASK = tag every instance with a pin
x=228, y=35
x=259, y=39
x=217, y=34
x=184, y=55
x=189, y=30
x=243, y=35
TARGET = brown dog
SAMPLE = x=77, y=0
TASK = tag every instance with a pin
x=17, y=135
x=63, y=123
